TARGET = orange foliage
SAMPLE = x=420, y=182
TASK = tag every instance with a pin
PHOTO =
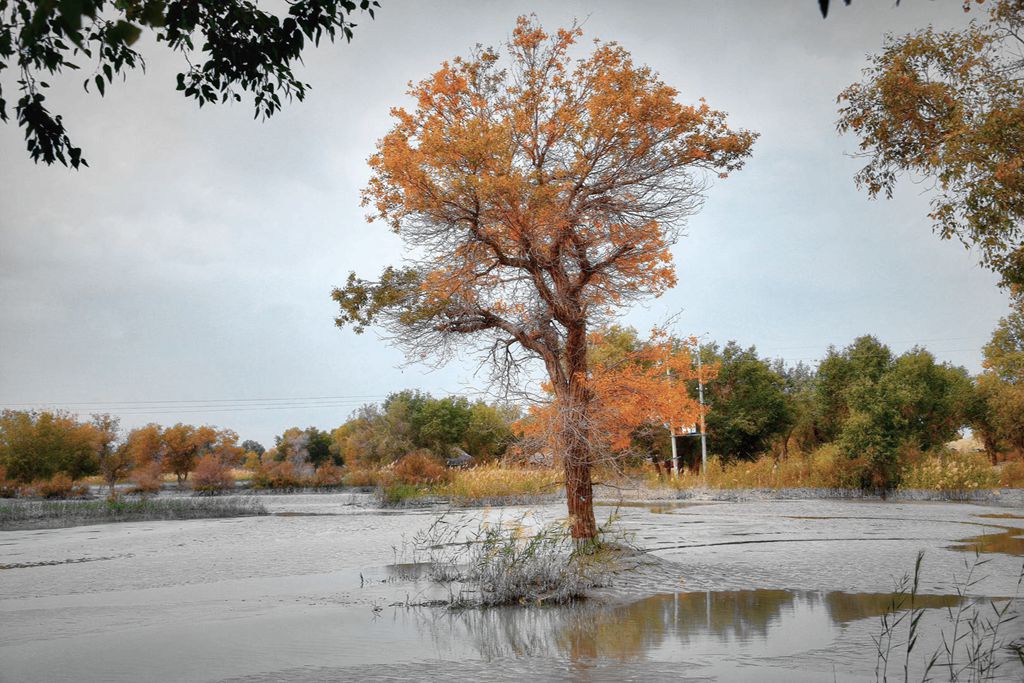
x=420, y=467
x=211, y=474
x=146, y=478
x=328, y=474
x=645, y=385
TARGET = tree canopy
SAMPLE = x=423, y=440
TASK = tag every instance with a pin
x=230, y=47
x=948, y=107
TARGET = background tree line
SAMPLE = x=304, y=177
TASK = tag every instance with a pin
x=877, y=408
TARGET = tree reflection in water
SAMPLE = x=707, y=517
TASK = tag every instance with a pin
x=686, y=622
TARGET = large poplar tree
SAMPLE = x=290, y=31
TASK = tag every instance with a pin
x=536, y=198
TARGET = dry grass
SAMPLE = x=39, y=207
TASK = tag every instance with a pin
x=1011, y=474
x=824, y=468
x=364, y=477
x=57, y=514
x=494, y=482
x=951, y=471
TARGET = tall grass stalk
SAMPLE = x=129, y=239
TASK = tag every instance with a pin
x=972, y=640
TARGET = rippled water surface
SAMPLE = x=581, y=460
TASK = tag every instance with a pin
x=778, y=590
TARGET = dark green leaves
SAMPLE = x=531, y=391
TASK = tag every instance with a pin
x=244, y=49
x=362, y=301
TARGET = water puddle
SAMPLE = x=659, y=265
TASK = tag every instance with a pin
x=657, y=507
x=1010, y=541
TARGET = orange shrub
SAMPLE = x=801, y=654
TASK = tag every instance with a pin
x=146, y=478
x=328, y=475
x=278, y=475
x=420, y=467
x=59, y=485
x=211, y=474
x=363, y=477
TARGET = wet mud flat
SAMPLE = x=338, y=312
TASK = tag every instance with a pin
x=761, y=590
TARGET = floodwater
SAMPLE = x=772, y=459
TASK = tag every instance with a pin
x=765, y=591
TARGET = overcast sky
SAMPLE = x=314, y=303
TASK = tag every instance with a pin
x=186, y=275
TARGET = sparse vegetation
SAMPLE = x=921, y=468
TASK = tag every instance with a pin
x=510, y=563
x=973, y=646
x=54, y=514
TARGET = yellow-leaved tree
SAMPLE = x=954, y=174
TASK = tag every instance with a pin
x=537, y=196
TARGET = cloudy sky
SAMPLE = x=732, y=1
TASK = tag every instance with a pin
x=186, y=275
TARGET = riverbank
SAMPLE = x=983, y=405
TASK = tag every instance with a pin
x=56, y=514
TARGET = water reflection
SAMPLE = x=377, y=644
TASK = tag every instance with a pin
x=1009, y=541
x=657, y=507
x=762, y=623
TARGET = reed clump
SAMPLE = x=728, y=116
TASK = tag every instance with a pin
x=493, y=482
x=511, y=562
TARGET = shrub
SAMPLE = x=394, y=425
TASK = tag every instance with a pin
x=212, y=475
x=8, y=488
x=59, y=486
x=146, y=478
x=420, y=467
x=512, y=563
x=398, y=492
x=951, y=471
x=363, y=477
x=278, y=475
x=328, y=475
x=1011, y=474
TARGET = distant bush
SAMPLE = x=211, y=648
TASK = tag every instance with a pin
x=8, y=488
x=328, y=474
x=363, y=477
x=951, y=471
x=278, y=475
x=59, y=486
x=1011, y=474
x=397, y=493
x=211, y=475
x=420, y=467
x=146, y=478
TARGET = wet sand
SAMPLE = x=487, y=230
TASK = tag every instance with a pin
x=766, y=590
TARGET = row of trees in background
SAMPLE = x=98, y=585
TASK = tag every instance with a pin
x=874, y=406
x=37, y=446
x=413, y=420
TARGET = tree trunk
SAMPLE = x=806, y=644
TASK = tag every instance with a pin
x=576, y=408
x=579, y=493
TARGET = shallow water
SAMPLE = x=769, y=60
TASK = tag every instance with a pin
x=778, y=590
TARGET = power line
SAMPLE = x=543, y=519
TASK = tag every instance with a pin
x=213, y=402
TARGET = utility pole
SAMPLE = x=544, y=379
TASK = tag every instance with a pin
x=703, y=437
x=672, y=438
